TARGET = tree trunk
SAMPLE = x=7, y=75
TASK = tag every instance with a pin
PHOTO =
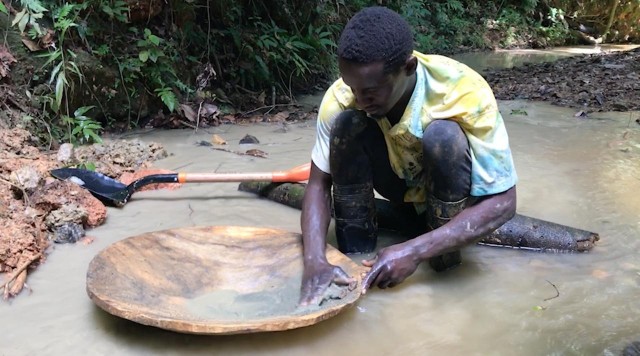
x=521, y=232
x=612, y=16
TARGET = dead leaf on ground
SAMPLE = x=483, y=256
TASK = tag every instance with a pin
x=188, y=112
x=229, y=118
x=33, y=46
x=261, y=98
x=280, y=117
x=577, y=81
x=209, y=110
x=256, y=153
x=599, y=274
x=6, y=59
x=87, y=240
x=217, y=140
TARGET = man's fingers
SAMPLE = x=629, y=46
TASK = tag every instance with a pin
x=371, y=262
x=371, y=276
x=341, y=277
x=305, y=296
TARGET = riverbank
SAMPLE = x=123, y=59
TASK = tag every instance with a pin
x=606, y=81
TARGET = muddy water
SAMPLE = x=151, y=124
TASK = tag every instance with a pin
x=579, y=172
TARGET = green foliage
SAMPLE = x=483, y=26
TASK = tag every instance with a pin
x=558, y=31
x=84, y=129
x=89, y=166
x=32, y=11
x=3, y=8
x=115, y=9
x=168, y=97
x=271, y=55
x=154, y=65
x=255, y=46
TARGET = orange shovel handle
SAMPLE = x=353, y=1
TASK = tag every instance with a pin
x=295, y=174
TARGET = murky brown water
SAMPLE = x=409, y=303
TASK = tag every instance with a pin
x=579, y=172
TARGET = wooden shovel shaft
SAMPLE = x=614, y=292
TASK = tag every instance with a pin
x=223, y=177
x=296, y=174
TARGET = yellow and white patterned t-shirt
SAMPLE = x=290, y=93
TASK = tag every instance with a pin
x=445, y=90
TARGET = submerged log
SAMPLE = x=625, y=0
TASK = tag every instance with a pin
x=521, y=232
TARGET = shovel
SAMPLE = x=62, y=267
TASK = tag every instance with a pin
x=116, y=193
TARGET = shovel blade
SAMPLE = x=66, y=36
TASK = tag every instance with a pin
x=107, y=189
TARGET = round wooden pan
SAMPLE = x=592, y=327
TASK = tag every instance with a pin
x=213, y=280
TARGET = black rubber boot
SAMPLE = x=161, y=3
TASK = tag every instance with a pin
x=355, y=218
x=439, y=213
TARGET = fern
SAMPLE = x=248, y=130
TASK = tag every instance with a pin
x=168, y=98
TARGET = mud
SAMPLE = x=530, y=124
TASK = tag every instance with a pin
x=607, y=81
x=37, y=210
x=281, y=301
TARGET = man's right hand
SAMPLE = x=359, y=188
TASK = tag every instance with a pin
x=317, y=278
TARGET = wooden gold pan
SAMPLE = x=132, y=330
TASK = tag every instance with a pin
x=213, y=280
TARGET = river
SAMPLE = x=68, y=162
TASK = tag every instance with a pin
x=581, y=172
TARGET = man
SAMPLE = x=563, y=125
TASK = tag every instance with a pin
x=425, y=132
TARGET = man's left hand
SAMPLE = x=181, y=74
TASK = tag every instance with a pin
x=391, y=266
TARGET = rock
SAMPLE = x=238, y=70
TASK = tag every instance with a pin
x=248, y=139
x=26, y=178
x=69, y=213
x=65, y=154
x=68, y=233
x=18, y=141
x=112, y=158
x=59, y=193
x=633, y=349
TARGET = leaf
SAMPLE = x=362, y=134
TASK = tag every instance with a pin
x=217, y=140
x=280, y=117
x=154, y=39
x=256, y=153
x=36, y=6
x=55, y=71
x=82, y=110
x=18, y=17
x=23, y=23
x=60, y=82
x=95, y=137
x=3, y=9
x=76, y=130
x=519, y=112
x=143, y=56
x=189, y=113
x=168, y=98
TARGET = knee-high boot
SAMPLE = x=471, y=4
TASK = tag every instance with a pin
x=355, y=217
x=439, y=213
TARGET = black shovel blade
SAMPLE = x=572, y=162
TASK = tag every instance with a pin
x=107, y=189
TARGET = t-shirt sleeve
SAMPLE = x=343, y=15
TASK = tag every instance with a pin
x=473, y=106
x=329, y=110
x=492, y=170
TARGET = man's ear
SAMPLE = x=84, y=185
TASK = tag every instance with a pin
x=411, y=65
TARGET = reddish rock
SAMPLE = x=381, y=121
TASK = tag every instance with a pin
x=58, y=193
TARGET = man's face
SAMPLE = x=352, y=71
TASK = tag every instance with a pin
x=375, y=92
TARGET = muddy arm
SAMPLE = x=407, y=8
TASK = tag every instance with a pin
x=521, y=232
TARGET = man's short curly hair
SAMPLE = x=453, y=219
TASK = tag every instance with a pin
x=376, y=34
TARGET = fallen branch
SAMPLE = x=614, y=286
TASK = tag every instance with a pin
x=521, y=232
x=252, y=152
x=24, y=193
x=16, y=273
x=554, y=287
